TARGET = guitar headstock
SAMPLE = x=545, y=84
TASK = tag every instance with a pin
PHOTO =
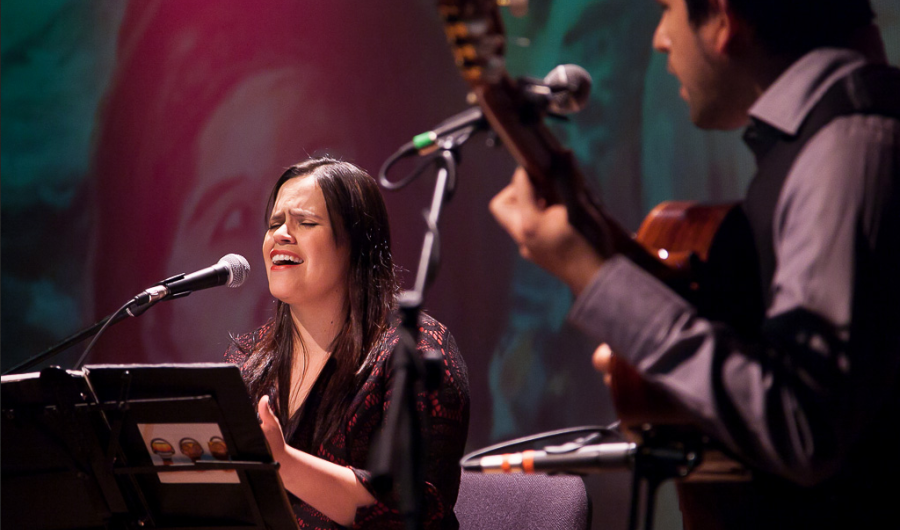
x=475, y=31
x=477, y=38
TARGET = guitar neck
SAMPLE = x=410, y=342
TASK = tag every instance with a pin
x=555, y=175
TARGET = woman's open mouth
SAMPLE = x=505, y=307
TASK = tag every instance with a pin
x=281, y=258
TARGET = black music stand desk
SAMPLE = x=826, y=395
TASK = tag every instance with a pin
x=175, y=447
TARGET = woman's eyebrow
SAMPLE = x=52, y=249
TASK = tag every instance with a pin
x=303, y=212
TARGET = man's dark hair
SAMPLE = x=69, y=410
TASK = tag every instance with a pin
x=794, y=26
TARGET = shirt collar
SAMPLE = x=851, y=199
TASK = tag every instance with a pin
x=786, y=103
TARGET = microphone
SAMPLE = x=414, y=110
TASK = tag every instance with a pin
x=570, y=88
x=564, y=90
x=232, y=270
x=587, y=459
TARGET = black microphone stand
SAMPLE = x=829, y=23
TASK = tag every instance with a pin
x=397, y=456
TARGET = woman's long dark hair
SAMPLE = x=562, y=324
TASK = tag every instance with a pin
x=359, y=219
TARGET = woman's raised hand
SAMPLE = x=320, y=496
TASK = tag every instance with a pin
x=271, y=428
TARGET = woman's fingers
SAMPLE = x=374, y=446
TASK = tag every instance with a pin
x=271, y=427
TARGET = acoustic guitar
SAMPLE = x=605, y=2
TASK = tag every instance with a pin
x=669, y=240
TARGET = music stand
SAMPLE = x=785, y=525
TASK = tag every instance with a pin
x=174, y=447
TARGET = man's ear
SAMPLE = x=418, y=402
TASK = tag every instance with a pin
x=731, y=31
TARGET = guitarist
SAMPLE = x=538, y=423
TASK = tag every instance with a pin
x=802, y=381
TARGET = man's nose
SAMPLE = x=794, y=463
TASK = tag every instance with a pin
x=661, y=41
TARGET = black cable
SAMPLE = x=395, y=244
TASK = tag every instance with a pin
x=448, y=143
x=595, y=430
x=97, y=336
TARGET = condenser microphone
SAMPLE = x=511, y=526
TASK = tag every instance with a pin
x=587, y=459
x=569, y=88
x=232, y=270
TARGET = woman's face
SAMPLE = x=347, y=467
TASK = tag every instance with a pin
x=304, y=264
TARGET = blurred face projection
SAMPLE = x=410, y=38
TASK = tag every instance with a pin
x=192, y=134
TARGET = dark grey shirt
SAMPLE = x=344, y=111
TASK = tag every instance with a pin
x=834, y=202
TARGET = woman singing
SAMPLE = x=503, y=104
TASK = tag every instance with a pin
x=321, y=368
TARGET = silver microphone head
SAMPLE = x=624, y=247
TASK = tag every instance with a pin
x=238, y=269
x=570, y=87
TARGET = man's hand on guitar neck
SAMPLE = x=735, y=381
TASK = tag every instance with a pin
x=543, y=233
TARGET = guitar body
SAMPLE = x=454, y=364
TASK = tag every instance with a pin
x=681, y=228
x=714, y=494
x=678, y=233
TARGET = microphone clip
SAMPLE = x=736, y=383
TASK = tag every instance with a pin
x=153, y=296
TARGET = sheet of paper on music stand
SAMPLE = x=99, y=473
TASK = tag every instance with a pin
x=174, y=444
